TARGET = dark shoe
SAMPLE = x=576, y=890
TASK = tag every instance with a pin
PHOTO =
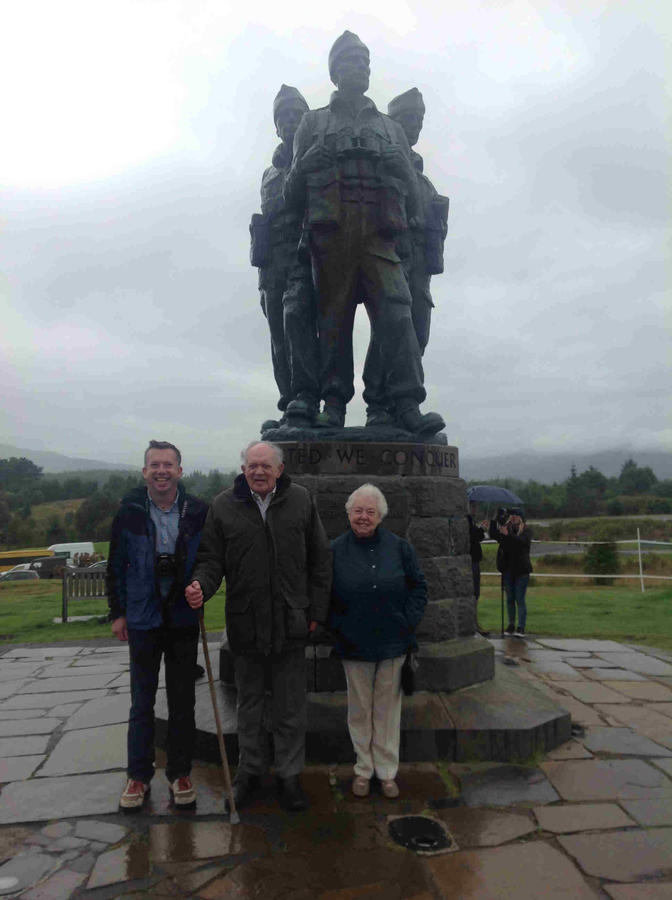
x=245, y=786
x=292, y=797
x=199, y=672
x=519, y=632
x=413, y=420
x=510, y=628
x=301, y=413
x=269, y=424
x=379, y=416
x=332, y=416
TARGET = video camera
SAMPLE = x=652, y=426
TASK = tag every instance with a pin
x=166, y=565
x=502, y=515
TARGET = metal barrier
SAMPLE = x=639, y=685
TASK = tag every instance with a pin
x=81, y=584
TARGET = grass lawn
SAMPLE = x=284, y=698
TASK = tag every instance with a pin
x=621, y=612
x=28, y=608
x=618, y=612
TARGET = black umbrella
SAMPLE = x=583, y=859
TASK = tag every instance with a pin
x=492, y=493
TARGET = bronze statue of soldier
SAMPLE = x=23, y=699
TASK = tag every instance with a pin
x=285, y=283
x=421, y=251
x=352, y=175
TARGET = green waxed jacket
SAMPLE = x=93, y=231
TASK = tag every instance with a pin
x=278, y=573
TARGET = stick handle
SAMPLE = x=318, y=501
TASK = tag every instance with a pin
x=218, y=721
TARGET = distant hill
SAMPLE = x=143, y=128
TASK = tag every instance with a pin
x=543, y=467
x=549, y=467
x=57, y=462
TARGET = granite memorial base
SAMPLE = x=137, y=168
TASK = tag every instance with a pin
x=458, y=711
x=504, y=719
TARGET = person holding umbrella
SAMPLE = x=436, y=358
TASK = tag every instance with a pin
x=513, y=561
x=476, y=536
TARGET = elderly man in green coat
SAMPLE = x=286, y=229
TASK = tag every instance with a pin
x=265, y=537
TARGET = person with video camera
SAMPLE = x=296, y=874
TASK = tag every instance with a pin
x=513, y=561
x=153, y=544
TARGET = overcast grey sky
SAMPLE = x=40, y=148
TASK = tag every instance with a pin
x=135, y=136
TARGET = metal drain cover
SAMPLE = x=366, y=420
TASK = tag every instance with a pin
x=420, y=833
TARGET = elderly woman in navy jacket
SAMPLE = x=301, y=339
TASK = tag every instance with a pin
x=378, y=598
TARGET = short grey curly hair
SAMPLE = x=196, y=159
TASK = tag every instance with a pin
x=368, y=490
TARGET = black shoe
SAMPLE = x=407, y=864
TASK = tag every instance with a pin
x=510, y=628
x=292, y=797
x=519, y=632
x=378, y=416
x=332, y=415
x=414, y=421
x=301, y=412
x=199, y=672
x=245, y=786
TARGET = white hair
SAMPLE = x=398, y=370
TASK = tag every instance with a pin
x=277, y=451
x=368, y=490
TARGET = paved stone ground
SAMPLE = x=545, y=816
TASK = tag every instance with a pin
x=592, y=819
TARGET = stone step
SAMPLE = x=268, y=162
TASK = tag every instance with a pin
x=442, y=665
x=504, y=719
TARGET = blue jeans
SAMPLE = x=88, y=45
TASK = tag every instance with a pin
x=179, y=647
x=516, y=587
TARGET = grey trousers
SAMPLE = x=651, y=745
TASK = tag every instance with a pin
x=272, y=701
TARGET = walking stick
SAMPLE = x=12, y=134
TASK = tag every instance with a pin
x=234, y=818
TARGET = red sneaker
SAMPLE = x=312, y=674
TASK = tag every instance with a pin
x=183, y=792
x=134, y=795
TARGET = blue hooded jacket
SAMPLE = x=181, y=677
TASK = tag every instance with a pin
x=132, y=589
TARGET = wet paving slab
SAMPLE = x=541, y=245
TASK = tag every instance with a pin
x=622, y=742
x=77, y=752
x=622, y=856
x=644, y=721
x=598, y=779
x=653, y=812
x=494, y=812
x=573, y=817
x=650, y=891
x=534, y=871
x=506, y=786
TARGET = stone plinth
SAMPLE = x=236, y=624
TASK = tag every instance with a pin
x=427, y=505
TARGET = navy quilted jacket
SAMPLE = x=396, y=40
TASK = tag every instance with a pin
x=131, y=577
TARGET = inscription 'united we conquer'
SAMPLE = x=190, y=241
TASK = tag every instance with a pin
x=360, y=458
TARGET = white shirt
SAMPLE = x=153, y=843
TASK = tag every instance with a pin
x=263, y=503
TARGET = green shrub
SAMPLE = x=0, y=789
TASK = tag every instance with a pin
x=603, y=556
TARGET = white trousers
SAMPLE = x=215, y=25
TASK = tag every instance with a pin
x=374, y=715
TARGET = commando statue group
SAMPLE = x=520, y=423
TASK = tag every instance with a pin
x=348, y=217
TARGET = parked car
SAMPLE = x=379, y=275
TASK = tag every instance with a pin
x=22, y=567
x=20, y=575
x=100, y=566
x=48, y=566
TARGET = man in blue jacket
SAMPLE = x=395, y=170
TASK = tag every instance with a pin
x=155, y=536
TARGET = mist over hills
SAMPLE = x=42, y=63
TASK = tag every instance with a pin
x=547, y=468
x=58, y=462
x=542, y=467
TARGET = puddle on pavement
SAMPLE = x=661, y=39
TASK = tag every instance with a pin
x=420, y=834
x=125, y=863
x=183, y=841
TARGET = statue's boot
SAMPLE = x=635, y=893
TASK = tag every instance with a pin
x=332, y=415
x=269, y=424
x=378, y=416
x=410, y=417
x=302, y=412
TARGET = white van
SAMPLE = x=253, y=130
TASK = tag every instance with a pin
x=70, y=551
